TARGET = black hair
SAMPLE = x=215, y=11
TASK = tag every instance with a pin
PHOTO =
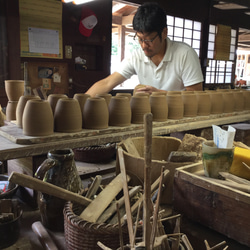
x=150, y=17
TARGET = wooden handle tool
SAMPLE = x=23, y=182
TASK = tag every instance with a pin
x=47, y=188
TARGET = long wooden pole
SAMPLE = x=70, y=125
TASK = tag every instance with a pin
x=148, y=118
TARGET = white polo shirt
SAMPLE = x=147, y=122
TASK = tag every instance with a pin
x=179, y=68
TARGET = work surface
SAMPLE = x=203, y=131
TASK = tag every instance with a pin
x=13, y=144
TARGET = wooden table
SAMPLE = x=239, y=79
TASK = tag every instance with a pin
x=13, y=144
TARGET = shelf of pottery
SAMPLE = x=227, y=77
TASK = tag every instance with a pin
x=62, y=114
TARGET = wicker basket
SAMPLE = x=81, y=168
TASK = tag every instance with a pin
x=81, y=234
x=95, y=154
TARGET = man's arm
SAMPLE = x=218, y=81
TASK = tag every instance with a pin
x=195, y=87
x=106, y=85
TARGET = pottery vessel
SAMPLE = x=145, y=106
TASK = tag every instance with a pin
x=128, y=95
x=216, y=159
x=239, y=103
x=106, y=96
x=228, y=99
x=159, y=107
x=140, y=106
x=158, y=93
x=37, y=118
x=204, y=103
x=68, y=116
x=119, y=111
x=175, y=106
x=81, y=98
x=139, y=86
x=60, y=170
x=246, y=95
x=53, y=99
x=20, y=107
x=217, y=103
x=95, y=113
x=14, y=89
x=11, y=110
x=190, y=103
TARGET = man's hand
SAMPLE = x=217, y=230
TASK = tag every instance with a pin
x=147, y=89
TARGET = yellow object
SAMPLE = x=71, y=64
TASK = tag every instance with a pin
x=238, y=168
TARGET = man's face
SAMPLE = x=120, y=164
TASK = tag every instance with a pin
x=151, y=43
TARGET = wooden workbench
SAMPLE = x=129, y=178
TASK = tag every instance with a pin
x=13, y=144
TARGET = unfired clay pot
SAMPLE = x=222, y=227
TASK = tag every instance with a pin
x=11, y=110
x=204, y=103
x=246, y=95
x=128, y=95
x=53, y=98
x=190, y=103
x=68, y=116
x=81, y=98
x=38, y=118
x=106, y=96
x=159, y=107
x=20, y=107
x=140, y=106
x=14, y=89
x=175, y=106
x=95, y=113
x=217, y=103
x=228, y=100
x=119, y=111
x=238, y=100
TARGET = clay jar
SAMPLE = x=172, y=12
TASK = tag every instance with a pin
x=175, y=106
x=159, y=107
x=217, y=103
x=20, y=107
x=14, y=89
x=190, y=103
x=140, y=106
x=204, y=103
x=53, y=98
x=228, y=100
x=37, y=118
x=246, y=95
x=81, y=98
x=128, y=95
x=238, y=100
x=119, y=111
x=68, y=116
x=95, y=113
x=11, y=110
x=106, y=96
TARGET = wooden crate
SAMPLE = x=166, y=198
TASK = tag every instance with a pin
x=221, y=208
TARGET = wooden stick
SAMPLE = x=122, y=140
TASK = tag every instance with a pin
x=234, y=178
x=126, y=196
x=148, y=118
x=156, y=211
x=102, y=246
x=246, y=165
x=47, y=188
x=186, y=242
x=112, y=208
x=207, y=245
x=176, y=244
x=92, y=212
x=130, y=147
x=94, y=186
x=137, y=220
x=120, y=226
x=218, y=245
x=171, y=217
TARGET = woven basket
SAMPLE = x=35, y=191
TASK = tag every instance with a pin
x=81, y=234
x=95, y=154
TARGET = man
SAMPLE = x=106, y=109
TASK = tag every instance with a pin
x=160, y=64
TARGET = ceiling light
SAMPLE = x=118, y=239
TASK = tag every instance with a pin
x=229, y=6
x=81, y=1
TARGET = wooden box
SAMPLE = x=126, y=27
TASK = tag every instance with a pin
x=221, y=208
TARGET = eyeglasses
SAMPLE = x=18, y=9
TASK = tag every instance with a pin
x=147, y=41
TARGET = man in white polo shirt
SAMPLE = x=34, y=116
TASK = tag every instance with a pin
x=160, y=64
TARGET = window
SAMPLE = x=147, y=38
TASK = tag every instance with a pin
x=220, y=72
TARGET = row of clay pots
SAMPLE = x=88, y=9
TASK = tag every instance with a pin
x=82, y=111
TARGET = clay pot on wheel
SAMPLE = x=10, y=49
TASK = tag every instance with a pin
x=37, y=118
